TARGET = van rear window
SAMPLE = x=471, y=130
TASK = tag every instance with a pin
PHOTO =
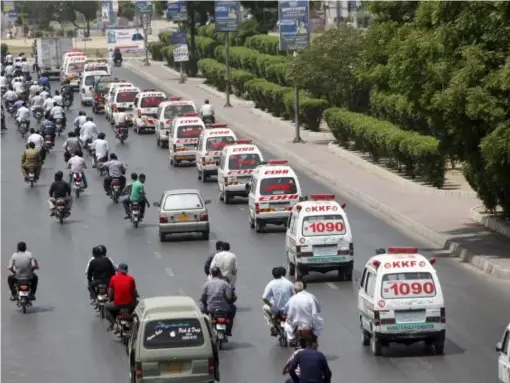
x=189, y=131
x=318, y=225
x=218, y=143
x=243, y=161
x=126, y=96
x=408, y=285
x=174, y=111
x=151, y=102
x=173, y=333
x=278, y=186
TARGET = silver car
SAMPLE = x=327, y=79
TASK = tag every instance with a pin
x=183, y=211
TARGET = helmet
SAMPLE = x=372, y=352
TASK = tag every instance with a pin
x=103, y=249
x=96, y=251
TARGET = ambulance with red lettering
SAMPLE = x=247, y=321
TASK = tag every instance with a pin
x=210, y=145
x=503, y=349
x=146, y=110
x=183, y=139
x=167, y=112
x=273, y=191
x=319, y=238
x=400, y=300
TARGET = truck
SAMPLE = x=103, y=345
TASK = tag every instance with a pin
x=50, y=52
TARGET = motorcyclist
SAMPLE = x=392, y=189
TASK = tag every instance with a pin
x=34, y=88
x=48, y=104
x=88, y=130
x=137, y=195
x=45, y=93
x=57, y=112
x=104, y=252
x=30, y=159
x=67, y=91
x=9, y=71
x=22, y=265
x=48, y=128
x=79, y=121
x=302, y=310
x=308, y=364
x=38, y=141
x=116, y=169
x=226, y=261
x=23, y=114
x=77, y=165
x=207, y=112
x=17, y=85
x=71, y=146
x=275, y=297
x=10, y=97
x=99, y=272
x=117, y=55
x=25, y=67
x=100, y=147
x=218, y=296
x=57, y=98
x=44, y=81
x=37, y=102
x=207, y=265
x=3, y=81
x=59, y=189
x=122, y=293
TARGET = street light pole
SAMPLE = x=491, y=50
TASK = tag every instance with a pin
x=297, y=137
x=145, y=23
x=227, y=66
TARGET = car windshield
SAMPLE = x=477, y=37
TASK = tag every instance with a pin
x=173, y=333
x=218, y=143
x=278, y=186
x=126, y=96
x=151, y=102
x=188, y=201
x=174, y=111
x=408, y=285
x=243, y=161
x=189, y=131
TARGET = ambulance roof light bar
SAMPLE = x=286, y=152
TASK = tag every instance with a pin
x=218, y=125
x=190, y=115
x=402, y=250
x=243, y=141
x=432, y=261
x=321, y=197
x=376, y=264
x=175, y=98
x=277, y=162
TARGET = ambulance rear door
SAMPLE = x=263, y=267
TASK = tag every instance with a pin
x=503, y=348
x=278, y=189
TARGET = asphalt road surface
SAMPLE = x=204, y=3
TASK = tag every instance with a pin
x=62, y=340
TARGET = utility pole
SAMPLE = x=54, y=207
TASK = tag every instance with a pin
x=228, y=73
x=145, y=23
x=297, y=138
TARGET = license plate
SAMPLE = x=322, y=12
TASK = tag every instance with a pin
x=243, y=180
x=410, y=316
x=328, y=250
x=23, y=293
x=182, y=218
x=175, y=367
x=192, y=146
x=31, y=174
x=410, y=327
x=326, y=259
x=221, y=326
x=102, y=297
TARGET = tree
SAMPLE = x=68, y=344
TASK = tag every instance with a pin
x=127, y=9
x=160, y=7
x=43, y=12
x=264, y=12
x=68, y=9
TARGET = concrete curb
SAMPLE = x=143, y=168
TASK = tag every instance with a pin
x=489, y=221
x=364, y=201
x=385, y=173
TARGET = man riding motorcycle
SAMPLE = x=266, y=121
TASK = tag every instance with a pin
x=219, y=297
x=207, y=265
x=71, y=146
x=44, y=81
x=116, y=170
x=67, y=91
x=10, y=97
x=207, y=112
x=59, y=189
x=22, y=265
x=48, y=128
x=88, y=130
x=38, y=141
x=99, y=272
x=226, y=261
x=77, y=165
x=31, y=159
x=100, y=147
x=117, y=56
x=275, y=297
x=78, y=122
x=137, y=195
x=122, y=293
x=56, y=113
x=23, y=114
x=57, y=98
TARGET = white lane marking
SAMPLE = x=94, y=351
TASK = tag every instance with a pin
x=157, y=254
x=331, y=285
x=169, y=271
x=181, y=292
x=242, y=208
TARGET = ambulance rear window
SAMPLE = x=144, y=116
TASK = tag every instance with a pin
x=243, y=161
x=189, y=131
x=318, y=225
x=218, y=143
x=75, y=68
x=408, y=285
x=151, y=102
x=126, y=96
x=278, y=186
x=175, y=111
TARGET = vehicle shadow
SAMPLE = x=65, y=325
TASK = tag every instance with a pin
x=233, y=345
x=419, y=350
x=39, y=309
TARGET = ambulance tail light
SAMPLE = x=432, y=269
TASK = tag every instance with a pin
x=243, y=142
x=385, y=321
x=175, y=148
x=343, y=252
x=376, y=264
x=277, y=162
x=303, y=254
x=351, y=249
x=257, y=208
x=139, y=113
x=321, y=197
x=175, y=98
x=432, y=261
x=402, y=250
x=190, y=115
x=114, y=108
x=377, y=318
x=138, y=370
x=203, y=161
x=440, y=319
x=343, y=206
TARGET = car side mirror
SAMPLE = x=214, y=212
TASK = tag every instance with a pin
x=247, y=188
x=156, y=204
x=207, y=201
x=499, y=347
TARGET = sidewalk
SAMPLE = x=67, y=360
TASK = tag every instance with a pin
x=442, y=219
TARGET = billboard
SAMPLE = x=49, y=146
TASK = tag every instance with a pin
x=294, y=17
x=128, y=40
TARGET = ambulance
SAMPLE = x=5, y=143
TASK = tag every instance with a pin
x=273, y=191
x=109, y=98
x=210, y=146
x=146, y=109
x=319, y=238
x=503, y=349
x=123, y=100
x=400, y=300
x=92, y=65
x=72, y=71
x=67, y=56
x=183, y=138
x=166, y=113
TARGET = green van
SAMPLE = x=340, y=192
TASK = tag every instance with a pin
x=171, y=343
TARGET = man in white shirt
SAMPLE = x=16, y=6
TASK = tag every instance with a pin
x=34, y=89
x=88, y=130
x=79, y=121
x=58, y=112
x=303, y=310
x=10, y=95
x=37, y=101
x=25, y=67
x=101, y=148
x=23, y=113
x=36, y=138
x=77, y=165
x=18, y=87
x=227, y=263
x=9, y=70
x=3, y=81
x=18, y=63
x=207, y=111
x=48, y=104
x=9, y=59
x=57, y=98
x=45, y=94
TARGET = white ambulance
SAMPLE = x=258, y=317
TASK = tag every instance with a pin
x=110, y=98
x=503, y=349
x=146, y=109
x=93, y=65
x=273, y=191
x=123, y=101
x=183, y=139
x=319, y=238
x=210, y=146
x=73, y=70
x=400, y=300
x=167, y=112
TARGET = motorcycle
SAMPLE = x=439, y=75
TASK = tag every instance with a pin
x=38, y=114
x=208, y=120
x=279, y=321
x=48, y=142
x=59, y=123
x=31, y=177
x=67, y=103
x=61, y=210
x=11, y=109
x=300, y=332
x=102, y=299
x=24, y=300
x=117, y=63
x=87, y=146
x=123, y=322
x=23, y=127
x=122, y=134
x=219, y=323
x=135, y=214
x=99, y=165
x=115, y=190
x=77, y=184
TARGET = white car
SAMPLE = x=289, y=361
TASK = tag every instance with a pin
x=88, y=80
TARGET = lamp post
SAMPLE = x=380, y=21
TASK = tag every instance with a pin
x=297, y=138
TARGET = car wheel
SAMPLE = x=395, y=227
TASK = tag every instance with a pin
x=204, y=178
x=291, y=267
x=365, y=337
x=199, y=175
x=375, y=345
x=439, y=346
x=252, y=223
x=172, y=162
x=259, y=225
x=226, y=198
x=158, y=142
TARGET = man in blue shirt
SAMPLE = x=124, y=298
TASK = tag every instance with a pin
x=44, y=81
x=275, y=297
x=311, y=364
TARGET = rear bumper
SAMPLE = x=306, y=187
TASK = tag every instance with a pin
x=274, y=217
x=325, y=267
x=184, y=227
x=412, y=337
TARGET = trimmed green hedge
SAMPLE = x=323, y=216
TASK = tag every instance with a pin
x=215, y=73
x=247, y=29
x=419, y=155
x=265, y=44
x=206, y=47
x=155, y=48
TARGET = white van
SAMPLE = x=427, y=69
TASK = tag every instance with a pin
x=146, y=109
x=97, y=64
x=73, y=70
x=210, y=145
x=123, y=100
x=319, y=238
x=88, y=80
x=166, y=113
x=183, y=139
x=109, y=98
x=273, y=191
x=237, y=163
x=503, y=348
x=400, y=300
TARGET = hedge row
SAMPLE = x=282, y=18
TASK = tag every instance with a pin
x=274, y=98
x=418, y=155
x=265, y=44
x=246, y=30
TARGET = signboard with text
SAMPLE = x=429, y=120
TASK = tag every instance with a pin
x=177, y=11
x=144, y=6
x=181, y=53
x=294, y=17
x=227, y=15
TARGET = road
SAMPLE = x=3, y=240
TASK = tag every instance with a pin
x=62, y=340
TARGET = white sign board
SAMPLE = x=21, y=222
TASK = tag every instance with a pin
x=181, y=53
x=128, y=40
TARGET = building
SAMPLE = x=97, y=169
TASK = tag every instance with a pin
x=342, y=12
